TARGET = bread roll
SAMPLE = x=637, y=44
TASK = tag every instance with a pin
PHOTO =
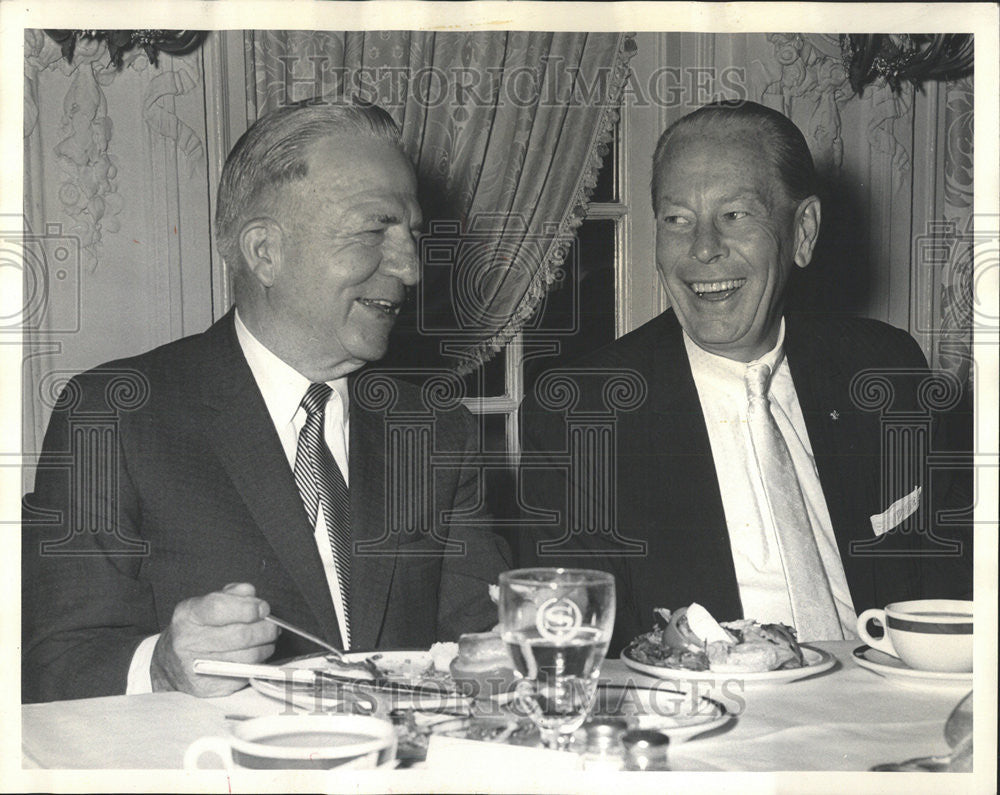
x=482, y=668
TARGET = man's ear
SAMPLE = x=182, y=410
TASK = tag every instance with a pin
x=807, y=218
x=260, y=244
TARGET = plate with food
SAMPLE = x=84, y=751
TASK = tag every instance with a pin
x=365, y=683
x=689, y=644
x=448, y=677
x=679, y=713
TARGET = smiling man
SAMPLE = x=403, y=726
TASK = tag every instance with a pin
x=185, y=494
x=747, y=475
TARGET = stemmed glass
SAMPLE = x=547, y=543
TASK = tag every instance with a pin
x=557, y=626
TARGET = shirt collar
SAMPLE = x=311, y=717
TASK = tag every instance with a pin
x=703, y=361
x=280, y=384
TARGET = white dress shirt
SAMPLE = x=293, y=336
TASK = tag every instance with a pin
x=282, y=388
x=759, y=572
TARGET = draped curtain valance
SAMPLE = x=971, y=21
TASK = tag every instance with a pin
x=507, y=130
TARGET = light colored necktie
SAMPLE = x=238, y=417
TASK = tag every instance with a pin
x=322, y=486
x=813, y=608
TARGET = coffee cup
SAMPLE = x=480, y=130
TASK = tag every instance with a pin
x=301, y=742
x=925, y=634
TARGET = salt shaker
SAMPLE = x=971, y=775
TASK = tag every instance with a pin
x=645, y=750
x=604, y=744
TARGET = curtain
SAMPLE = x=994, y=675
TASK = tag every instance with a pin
x=507, y=130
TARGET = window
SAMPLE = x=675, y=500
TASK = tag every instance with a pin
x=579, y=314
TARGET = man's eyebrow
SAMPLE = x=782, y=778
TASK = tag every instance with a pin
x=376, y=217
x=747, y=193
x=667, y=199
x=742, y=193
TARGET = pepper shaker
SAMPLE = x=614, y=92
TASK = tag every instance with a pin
x=645, y=750
x=604, y=744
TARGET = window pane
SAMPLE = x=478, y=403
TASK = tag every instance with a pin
x=494, y=432
x=579, y=313
x=500, y=486
x=487, y=380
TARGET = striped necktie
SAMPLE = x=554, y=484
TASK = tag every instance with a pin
x=322, y=486
x=813, y=608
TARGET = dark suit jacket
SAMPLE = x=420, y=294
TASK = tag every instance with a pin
x=664, y=486
x=162, y=478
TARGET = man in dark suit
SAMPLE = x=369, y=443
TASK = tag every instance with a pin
x=184, y=494
x=724, y=452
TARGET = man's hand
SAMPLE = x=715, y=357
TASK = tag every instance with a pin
x=223, y=625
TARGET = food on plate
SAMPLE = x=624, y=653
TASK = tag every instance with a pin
x=691, y=639
x=482, y=667
x=442, y=654
x=365, y=670
x=414, y=729
x=416, y=669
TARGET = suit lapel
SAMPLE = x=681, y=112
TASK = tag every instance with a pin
x=243, y=436
x=687, y=494
x=833, y=424
x=374, y=543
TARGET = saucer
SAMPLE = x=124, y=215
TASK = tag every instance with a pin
x=900, y=673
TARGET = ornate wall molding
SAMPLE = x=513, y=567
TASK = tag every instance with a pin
x=889, y=111
x=810, y=78
x=956, y=315
x=808, y=71
x=958, y=131
x=88, y=192
x=159, y=114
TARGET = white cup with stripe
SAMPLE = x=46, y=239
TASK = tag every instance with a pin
x=925, y=634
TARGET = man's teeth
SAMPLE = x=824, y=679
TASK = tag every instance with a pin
x=717, y=287
x=389, y=307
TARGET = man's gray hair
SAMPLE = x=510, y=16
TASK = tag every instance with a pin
x=273, y=152
x=783, y=142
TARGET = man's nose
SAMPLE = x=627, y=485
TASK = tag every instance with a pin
x=708, y=245
x=403, y=261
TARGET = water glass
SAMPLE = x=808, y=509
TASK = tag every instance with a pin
x=557, y=625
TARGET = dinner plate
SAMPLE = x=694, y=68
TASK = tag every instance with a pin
x=680, y=714
x=898, y=672
x=403, y=667
x=817, y=661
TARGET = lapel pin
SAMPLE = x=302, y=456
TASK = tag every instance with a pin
x=834, y=415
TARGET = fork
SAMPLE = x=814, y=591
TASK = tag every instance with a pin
x=307, y=635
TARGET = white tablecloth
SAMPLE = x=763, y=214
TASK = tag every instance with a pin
x=847, y=719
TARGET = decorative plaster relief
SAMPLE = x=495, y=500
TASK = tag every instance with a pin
x=809, y=71
x=89, y=190
x=158, y=108
x=954, y=345
x=959, y=138
x=887, y=108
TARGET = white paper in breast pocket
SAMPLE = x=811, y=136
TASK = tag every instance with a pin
x=901, y=510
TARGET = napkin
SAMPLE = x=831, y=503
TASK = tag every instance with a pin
x=157, y=735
